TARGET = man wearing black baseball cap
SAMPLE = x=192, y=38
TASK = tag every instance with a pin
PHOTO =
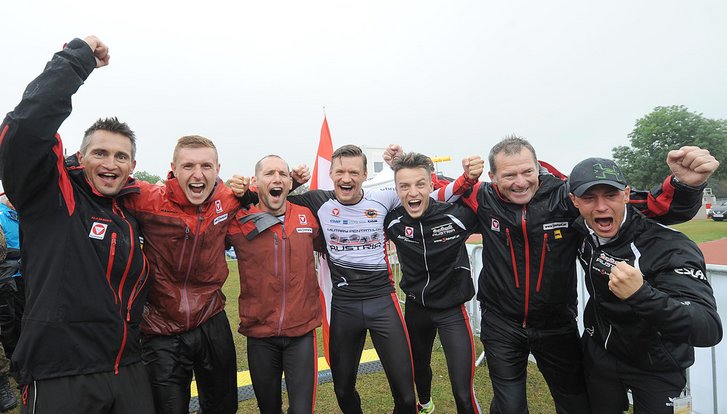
x=650, y=302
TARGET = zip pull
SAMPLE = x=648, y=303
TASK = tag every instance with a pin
x=128, y=315
x=545, y=240
x=507, y=233
x=186, y=233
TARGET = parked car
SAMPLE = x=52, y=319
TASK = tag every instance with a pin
x=719, y=212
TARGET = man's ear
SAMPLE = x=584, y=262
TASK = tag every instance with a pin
x=574, y=199
x=627, y=194
x=253, y=182
x=79, y=156
x=133, y=167
x=491, y=175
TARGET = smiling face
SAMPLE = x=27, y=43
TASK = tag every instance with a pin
x=603, y=208
x=196, y=170
x=348, y=174
x=107, y=161
x=516, y=176
x=413, y=185
x=273, y=181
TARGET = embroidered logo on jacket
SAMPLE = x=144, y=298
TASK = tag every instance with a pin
x=303, y=230
x=409, y=231
x=218, y=206
x=303, y=219
x=495, y=225
x=98, y=230
x=220, y=218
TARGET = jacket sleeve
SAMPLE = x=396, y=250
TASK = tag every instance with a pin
x=670, y=203
x=679, y=302
x=31, y=153
x=451, y=191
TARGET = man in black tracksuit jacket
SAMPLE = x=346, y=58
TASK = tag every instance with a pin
x=85, y=273
x=436, y=278
x=650, y=301
x=527, y=287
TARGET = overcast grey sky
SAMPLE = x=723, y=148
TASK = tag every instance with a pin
x=439, y=77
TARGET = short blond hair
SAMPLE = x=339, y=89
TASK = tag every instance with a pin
x=194, y=141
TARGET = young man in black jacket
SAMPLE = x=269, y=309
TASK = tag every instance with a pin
x=650, y=301
x=85, y=272
x=430, y=241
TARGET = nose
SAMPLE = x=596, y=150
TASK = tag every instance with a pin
x=601, y=204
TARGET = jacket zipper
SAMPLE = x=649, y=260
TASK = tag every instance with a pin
x=594, y=298
x=143, y=277
x=185, y=294
x=112, y=254
x=426, y=263
x=282, y=278
x=512, y=257
x=184, y=247
x=110, y=265
x=527, y=265
x=542, y=261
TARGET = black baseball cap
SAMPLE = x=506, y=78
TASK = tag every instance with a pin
x=594, y=171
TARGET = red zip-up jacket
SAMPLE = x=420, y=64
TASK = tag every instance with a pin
x=185, y=246
x=84, y=270
x=279, y=294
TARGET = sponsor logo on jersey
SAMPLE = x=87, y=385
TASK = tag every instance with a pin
x=558, y=235
x=557, y=225
x=371, y=213
x=218, y=206
x=409, y=231
x=303, y=219
x=335, y=212
x=98, y=230
x=604, y=262
x=443, y=230
x=695, y=273
x=220, y=218
x=495, y=225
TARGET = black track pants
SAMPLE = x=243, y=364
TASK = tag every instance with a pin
x=127, y=392
x=297, y=357
x=207, y=351
x=455, y=334
x=350, y=319
x=557, y=352
x=608, y=380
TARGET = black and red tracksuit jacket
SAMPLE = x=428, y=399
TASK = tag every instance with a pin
x=529, y=251
x=85, y=274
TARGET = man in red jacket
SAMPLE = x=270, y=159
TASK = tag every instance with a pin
x=279, y=305
x=185, y=328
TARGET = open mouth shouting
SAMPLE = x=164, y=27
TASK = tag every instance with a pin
x=197, y=188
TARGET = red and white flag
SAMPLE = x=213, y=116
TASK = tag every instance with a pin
x=322, y=181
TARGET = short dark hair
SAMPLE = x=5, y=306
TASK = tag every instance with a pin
x=110, y=124
x=412, y=160
x=258, y=164
x=350, y=151
x=510, y=145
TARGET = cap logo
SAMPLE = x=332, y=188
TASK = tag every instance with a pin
x=607, y=173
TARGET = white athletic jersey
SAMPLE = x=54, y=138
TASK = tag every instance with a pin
x=355, y=240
